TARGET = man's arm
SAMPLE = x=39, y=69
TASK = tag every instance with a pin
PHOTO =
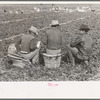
x=33, y=44
x=82, y=57
x=17, y=44
x=76, y=42
x=44, y=38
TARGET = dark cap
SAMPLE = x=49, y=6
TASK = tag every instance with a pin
x=84, y=28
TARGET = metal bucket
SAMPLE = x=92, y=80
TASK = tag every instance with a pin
x=52, y=61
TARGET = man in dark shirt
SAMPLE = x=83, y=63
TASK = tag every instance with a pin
x=27, y=45
x=81, y=48
x=54, y=38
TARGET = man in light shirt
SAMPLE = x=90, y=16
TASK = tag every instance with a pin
x=28, y=45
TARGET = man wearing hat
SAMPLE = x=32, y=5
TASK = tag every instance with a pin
x=81, y=48
x=28, y=45
x=54, y=38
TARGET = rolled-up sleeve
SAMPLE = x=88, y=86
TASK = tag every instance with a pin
x=76, y=42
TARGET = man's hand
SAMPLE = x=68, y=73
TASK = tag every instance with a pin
x=86, y=58
x=38, y=44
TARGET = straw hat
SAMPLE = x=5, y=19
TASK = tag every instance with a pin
x=33, y=29
x=84, y=27
x=54, y=23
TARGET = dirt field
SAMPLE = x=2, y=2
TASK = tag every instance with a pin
x=12, y=25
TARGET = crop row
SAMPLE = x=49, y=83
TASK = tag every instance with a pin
x=68, y=32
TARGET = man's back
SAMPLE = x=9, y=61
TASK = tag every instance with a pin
x=25, y=42
x=88, y=43
x=54, y=38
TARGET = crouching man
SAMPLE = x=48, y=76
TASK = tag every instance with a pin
x=81, y=48
x=28, y=45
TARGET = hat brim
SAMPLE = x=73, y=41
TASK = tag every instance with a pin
x=33, y=32
x=54, y=25
x=85, y=29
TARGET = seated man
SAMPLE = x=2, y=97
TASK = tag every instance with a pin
x=53, y=43
x=54, y=39
x=28, y=45
x=81, y=48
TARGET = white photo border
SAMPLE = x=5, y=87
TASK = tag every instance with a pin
x=42, y=90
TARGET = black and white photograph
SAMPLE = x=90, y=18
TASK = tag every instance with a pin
x=49, y=42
